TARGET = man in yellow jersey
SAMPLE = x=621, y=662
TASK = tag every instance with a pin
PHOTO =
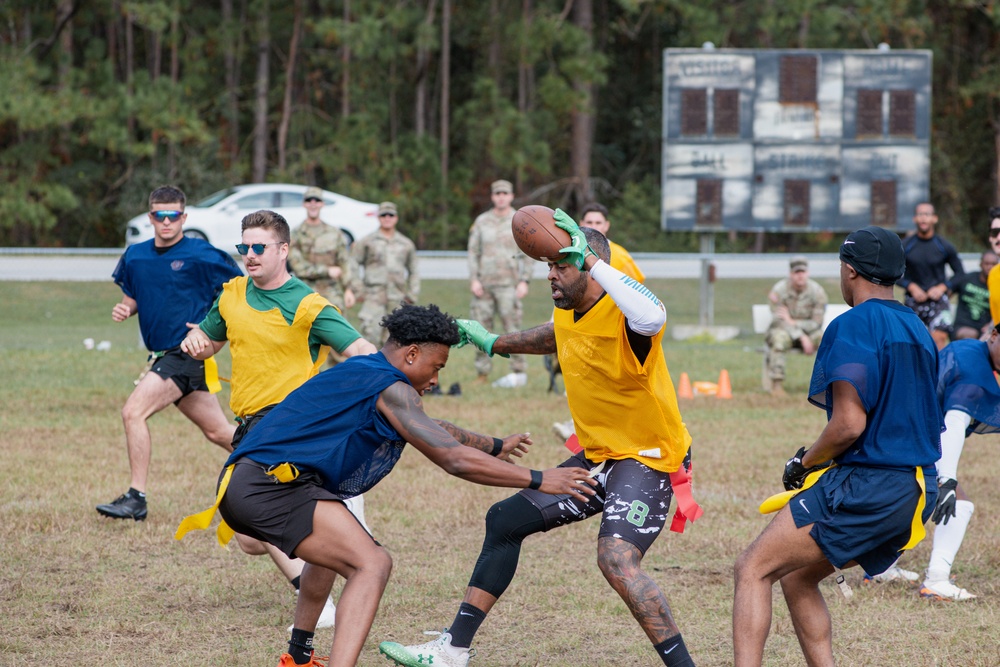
x=595, y=216
x=993, y=278
x=279, y=331
x=608, y=330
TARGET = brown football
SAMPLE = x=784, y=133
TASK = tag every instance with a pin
x=537, y=235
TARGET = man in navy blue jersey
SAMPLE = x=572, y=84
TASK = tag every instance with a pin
x=868, y=483
x=169, y=282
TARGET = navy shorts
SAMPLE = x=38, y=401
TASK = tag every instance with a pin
x=186, y=372
x=256, y=504
x=862, y=514
x=634, y=500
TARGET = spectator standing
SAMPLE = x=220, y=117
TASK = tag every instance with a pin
x=499, y=274
x=318, y=254
x=927, y=254
x=797, y=306
x=388, y=264
x=167, y=281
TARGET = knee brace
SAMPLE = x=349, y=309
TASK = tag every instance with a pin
x=507, y=524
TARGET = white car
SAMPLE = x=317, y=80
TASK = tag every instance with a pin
x=217, y=218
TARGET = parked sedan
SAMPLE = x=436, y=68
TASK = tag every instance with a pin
x=217, y=218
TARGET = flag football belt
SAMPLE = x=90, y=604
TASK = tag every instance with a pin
x=282, y=473
x=211, y=371
x=917, y=531
x=687, y=508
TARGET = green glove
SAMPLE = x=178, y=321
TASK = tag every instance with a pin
x=470, y=331
x=579, y=250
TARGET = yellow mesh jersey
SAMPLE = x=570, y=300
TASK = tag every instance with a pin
x=993, y=284
x=271, y=358
x=619, y=407
x=622, y=260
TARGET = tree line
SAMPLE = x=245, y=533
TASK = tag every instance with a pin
x=425, y=102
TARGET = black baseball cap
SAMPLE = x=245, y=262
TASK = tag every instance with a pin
x=876, y=254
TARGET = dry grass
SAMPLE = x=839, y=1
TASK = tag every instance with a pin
x=77, y=588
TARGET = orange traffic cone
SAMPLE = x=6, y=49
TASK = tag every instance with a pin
x=725, y=388
x=684, y=387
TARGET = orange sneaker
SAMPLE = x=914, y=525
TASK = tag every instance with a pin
x=287, y=661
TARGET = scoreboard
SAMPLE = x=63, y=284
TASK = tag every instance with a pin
x=794, y=140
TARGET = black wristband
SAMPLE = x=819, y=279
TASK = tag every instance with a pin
x=497, y=447
x=536, y=479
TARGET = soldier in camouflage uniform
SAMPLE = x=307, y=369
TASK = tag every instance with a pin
x=319, y=256
x=498, y=278
x=797, y=304
x=388, y=262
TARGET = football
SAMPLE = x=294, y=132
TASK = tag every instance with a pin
x=537, y=235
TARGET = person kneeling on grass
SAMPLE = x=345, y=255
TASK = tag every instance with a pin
x=336, y=437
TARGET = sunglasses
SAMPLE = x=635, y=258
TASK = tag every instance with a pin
x=994, y=232
x=387, y=215
x=258, y=248
x=172, y=216
x=312, y=199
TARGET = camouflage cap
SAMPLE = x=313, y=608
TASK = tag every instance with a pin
x=501, y=186
x=798, y=263
x=311, y=192
x=387, y=207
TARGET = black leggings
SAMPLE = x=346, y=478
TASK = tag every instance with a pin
x=507, y=524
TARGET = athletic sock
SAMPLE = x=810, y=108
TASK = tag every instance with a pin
x=300, y=646
x=295, y=582
x=947, y=540
x=466, y=625
x=673, y=652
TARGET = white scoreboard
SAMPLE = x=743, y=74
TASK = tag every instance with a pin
x=794, y=140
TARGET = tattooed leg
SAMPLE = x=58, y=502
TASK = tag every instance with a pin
x=620, y=562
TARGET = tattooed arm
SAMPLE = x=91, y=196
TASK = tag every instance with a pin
x=400, y=404
x=513, y=445
x=539, y=340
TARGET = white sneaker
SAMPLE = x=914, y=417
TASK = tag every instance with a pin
x=512, y=380
x=894, y=573
x=944, y=590
x=439, y=652
x=327, y=618
x=564, y=429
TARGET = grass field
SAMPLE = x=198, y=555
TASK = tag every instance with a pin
x=79, y=589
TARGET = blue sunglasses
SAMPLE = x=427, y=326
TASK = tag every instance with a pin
x=258, y=248
x=160, y=216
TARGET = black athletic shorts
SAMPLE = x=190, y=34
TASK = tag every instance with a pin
x=187, y=372
x=634, y=500
x=279, y=513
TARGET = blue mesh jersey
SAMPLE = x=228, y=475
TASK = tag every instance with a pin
x=966, y=383
x=884, y=350
x=173, y=287
x=330, y=426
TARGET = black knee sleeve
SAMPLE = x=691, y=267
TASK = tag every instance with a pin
x=507, y=524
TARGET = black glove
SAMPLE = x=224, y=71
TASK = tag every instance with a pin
x=795, y=472
x=947, y=497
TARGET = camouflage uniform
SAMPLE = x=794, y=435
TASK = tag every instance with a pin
x=806, y=308
x=313, y=250
x=389, y=267
x=499, y=265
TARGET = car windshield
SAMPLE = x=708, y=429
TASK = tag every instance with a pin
x=215, y=198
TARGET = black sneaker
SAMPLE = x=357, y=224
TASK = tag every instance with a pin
x=127, y=506
x=433, y=391
x=455, y=390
